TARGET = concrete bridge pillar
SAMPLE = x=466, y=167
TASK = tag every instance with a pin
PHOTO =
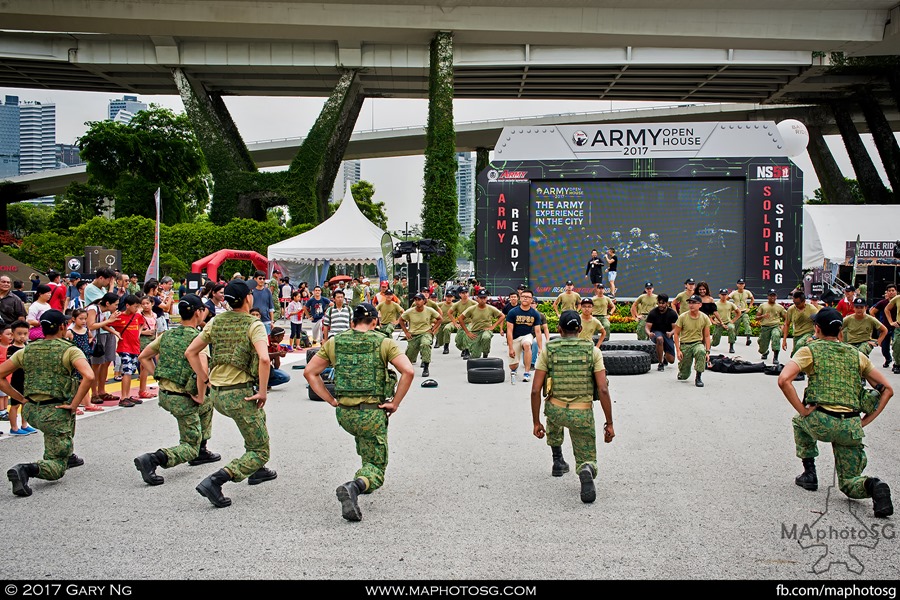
x=312, y=172
x=440, y=203
x=893, y=77
x=883, y=137
x=870, y=183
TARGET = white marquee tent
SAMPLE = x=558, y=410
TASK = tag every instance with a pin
x=346, y=237
x=828, y=228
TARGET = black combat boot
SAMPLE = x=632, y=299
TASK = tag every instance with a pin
x=698, y=381
x=147, y=463
x=74, y=461
x=748, y=340
x=775, y=359
x=204, y=456
x=446, y=349
x=560, y=466
x=261, y=475
x=437, y=344
x=347, y=494
x=425, y=369
x=465, y=355
x=588, y=491
x=807, y=479
x=730, y=348
x=422, y=364
x=881, y=497
x=19, y=475
x=764, y=355
x=211, y=488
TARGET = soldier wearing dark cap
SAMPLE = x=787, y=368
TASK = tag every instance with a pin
x=831, y=410
x=680, y=303
x=365, y=397
x=179, y=394
x=771, y=317
x=389, y=311
x=641, y=307
x=692, y=340
x=50, y=399
x=744, y=300
x=447, y=327
x=571, y=374
x=423, y=325
x=568, y=300
x=859, y=327
x=799, y=316
x=478, y=324
x=728, y=314
x=239, y=360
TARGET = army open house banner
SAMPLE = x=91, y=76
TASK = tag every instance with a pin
x=713, y=201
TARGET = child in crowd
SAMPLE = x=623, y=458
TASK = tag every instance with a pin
x=102, y=313
x=77, y=333
x=17, y=380
x=5, y=341
x=295, y=314
x=129, y=325
x=256, y=313
x=148, y=334
x=40, y=305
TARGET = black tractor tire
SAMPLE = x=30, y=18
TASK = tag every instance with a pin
x=626, y=362
x=486, y=375
x=315, y=396
x=484, y=363
x=310, y=353
x=629, y=345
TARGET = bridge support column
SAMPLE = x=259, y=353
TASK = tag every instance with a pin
x=893, y=77
x=834, y=186
x=312, y=172
x=440, y=203
x=239, y=189
x=883, y=137
x=870, y=183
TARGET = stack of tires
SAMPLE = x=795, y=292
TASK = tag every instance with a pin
x=485, y=370
x=329, y=381
x=628, y=357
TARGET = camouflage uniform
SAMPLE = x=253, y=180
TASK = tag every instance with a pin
x=447, y=327
x=462, y=340
x=229, y=345
x=835, y=383
x=726, y=312
x=602, y=304
x=742, y=301
x=570, y=364
x=770, y=322
x=48, y=383
x=359, y=295
x=360, y=385
x=177, y=383
x=803, y=328
x=645, y=303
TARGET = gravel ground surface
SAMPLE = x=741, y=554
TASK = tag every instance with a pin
x=697, y=484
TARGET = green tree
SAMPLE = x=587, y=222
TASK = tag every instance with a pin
x=465, y=249
x=79, y=204
x=158, y=149
x=855, y=194
x=25, y=218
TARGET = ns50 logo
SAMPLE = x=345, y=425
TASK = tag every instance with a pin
x=773, y=172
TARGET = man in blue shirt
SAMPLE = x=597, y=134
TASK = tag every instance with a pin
x=262, y=299
x=315, y=308
x=523, y=325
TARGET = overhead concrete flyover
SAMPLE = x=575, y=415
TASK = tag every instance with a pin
x=470, y=136
x=702, y=51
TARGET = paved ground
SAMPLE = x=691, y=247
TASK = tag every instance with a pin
x=697, y=484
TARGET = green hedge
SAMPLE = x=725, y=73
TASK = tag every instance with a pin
x=180, y=244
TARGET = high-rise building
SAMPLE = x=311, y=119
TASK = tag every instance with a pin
x=128, y=104
x=37, y=137
x=68, y=155
x=9, y=137
x=348, y=172
x=465, y=191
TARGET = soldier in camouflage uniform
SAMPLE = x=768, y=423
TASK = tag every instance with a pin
x=728, y=314
x=463, y=343
x=447, y=325
x=239, y=361
x=359, y=293
x=799, y=316
x=692, y=340
x=641, y=307
x=744, y=300
x=389, y=311
x=481, y=324
x=571, y=373
x=770, y=315
x=831, y=407
x=858, y=328
x=365, y=397
x=50, y=399
x=423, y=324
x=603, y=307
x=178, y=394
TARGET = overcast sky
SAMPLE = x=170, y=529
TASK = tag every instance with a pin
x=397, y=181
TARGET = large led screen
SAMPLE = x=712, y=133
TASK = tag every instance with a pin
x=664, y=231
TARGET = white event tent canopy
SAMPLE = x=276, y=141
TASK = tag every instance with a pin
x=828, y=227
x=346, y=237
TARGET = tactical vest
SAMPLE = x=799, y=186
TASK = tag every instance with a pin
x=173, y=366
x=836, y=377
x=358, y=370
x=571, y=367
x=229, y=343
x=42, y=361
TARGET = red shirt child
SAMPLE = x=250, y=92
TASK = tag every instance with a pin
x=129, y=327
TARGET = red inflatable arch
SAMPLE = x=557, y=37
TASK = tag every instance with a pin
x=212, y=262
